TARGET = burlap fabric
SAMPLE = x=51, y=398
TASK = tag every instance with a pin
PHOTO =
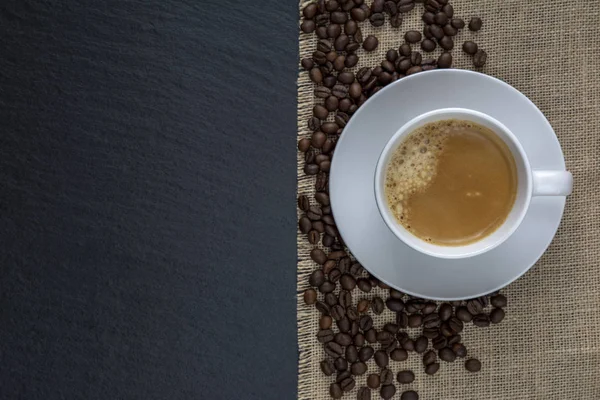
x=548, y=347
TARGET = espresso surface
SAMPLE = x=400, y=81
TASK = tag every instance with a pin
x=451, y=182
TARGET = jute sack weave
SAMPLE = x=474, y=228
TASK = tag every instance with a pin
x=548, y=347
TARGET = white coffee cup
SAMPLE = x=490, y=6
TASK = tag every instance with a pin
x=530, y=183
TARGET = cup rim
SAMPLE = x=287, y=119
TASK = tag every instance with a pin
x=404, y=234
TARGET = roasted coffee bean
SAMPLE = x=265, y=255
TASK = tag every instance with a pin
x=395, y=305
x=499, y=300
x=445, y=60
x=363, y=74
x=333, y=349
x=351, y=354
x=314, y=213
x=391, y=55
x=337, y=311
x=445, y=311
x=327, y=240
x=341, y=375
x=308, y=26
x=310, y=296
x=339, y=91
x=370, y=43
x=357, y=14
x=405, y=50
x=348, y=282
x=409, y=395
x=405, y=377
x=355, y=90
x=317, y=277
x=446, y=354
x=430, y=333
x=359, y=339
x=329, y=81
x=463, y=314
x=338, y=17
x=345, y=299
x=396, y=21
x=370, y=335
x=343, y=339
x=431, y=369
x=325, y=336
x=454, y=339
x=473, y=365
x=325, y=322
x=314, y=123
x=303, y=202
x=351, y=59
x=327, y=367
x=310, y=11
x=386, y=376
x=331, y=103
x=324, y=45
x=440, y=18
x=317, y=140
x=377, y=305
x=352, y=314
x=387, y=66
x=373, y=381
x=358, y=38
x=446, y=330
x=381, y=358
x=348, y=5
x=329, y=264
x=415, y=59
x=412, y=36
x=358, y=368
x=497, y=315
x=322, y=92
x=407, y=344
x=474, y=306
x=322, y=20
x=429, y=67
x=363, y=305
x=377, y=6
x=321, y=32
x=449, y=30
x=322, y=307
x=338, y=254
x=429, y=357
x=455, y=325
x=436, y=31
x=458, y=23
x=385, y=338
x=333, y=31
x=404, y=65
x=341, y=42
x=428, y=45
x=364, y=393
x=432, y=320
x=475, y=24
x=365, y=323
x=391, y=328
x=405, y=6
x=364, y=285
x=304, y=145
x=320, y=112
x=322, y=197
x=430, y=306
x=329, y=128
x=428, y=18
x=439, y=342
x=421, y=344
x=402, y=319
x=479, y=58
x=319, y=57
x=340, y=364
x=446, y=43
x=335, y=391
x=307, y=63
x=459, y=349
x=387, y=391
x=377, y=19
x=365, y=353
x=432, y=5
x=390, y=7
x=399, y=354
x=327, y=287
x=339, y=63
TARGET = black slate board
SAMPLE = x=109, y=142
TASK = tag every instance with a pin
x=147, y=202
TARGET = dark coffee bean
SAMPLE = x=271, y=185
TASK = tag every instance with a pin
x=391, y=56
x=405, y=50
x=475, y=24
x=341, y=42
x=359, y=339
x=343, y=339
x=428, y=45
x=358, y=368
x=446, y=354
x=373, y=381
x=319, y=57
x=321, y=32
x=381, y=359
x=370, y=335
x=363, y=74
x=314, y=213
x=405, y=377
x=335, y=391
x=328, y=146
x=317, y=140
x=323, y=308
x=304, y=145
x=409, y=395
x=428, y=18
x=473, y=365
x=439, y=342
x=445, y=311
x=357, y=14
x=350, y=27
x=365, y=353
x=340, y=364
x=358, y=37
x=339, y=91
x=449, y=30
x=430, y=333
x=421, y=344
x=455, y=325
x=337, y=311
x=334, y=30
x=412, y=36
x=325, y=322
x=384, y=78
x=348, y=282
x=322, y=92
x=429, y=357
x=355, y=90
x=459, y=349
x=396, y=21
x=429, y=67
x=432, y=6
x=377, y=70
x=329, y=265
x=497, y=315
x=431, y=369
x=479, y=58
x=385, y=338
x=404, y=65
x=338, y=17
x=415, y=59
x=327, y=287
x=320, y=112
x=407, y=344
x=303, y=202
x=324, y=45
x=446, y=43
x=370, y=43
x=307, y=63
x=327, y=240
x=394, y=304
x=456, y=303
x=317, y=277
x=463, y=314
x=331, y=103
x=331, y=56
x=470, y=47
x=377, y=6
x=325, y=336
x=351, y=354
x=341, y=375
x=440, y=18
x=351, y=59
x=363, y=306
x=446, y=330
x=314, y=123
x=348, y=5
x=377, y=305
x=405, y=6
x=322, y=198
x=310, y=11
x=329, y=128
x=391, y=328
x=308, y=26
x=387, y=391
x=364, y=285
x=310, y=296
x=352, y=314
x=431, y=321
x=454, y=339
x=390, y=7
x=377, y=19
x=388, y=66
x=327, y=367
x=333, y=349
x=386, y=377
x=436, y=31
x=474, y=306
x=499, y=300
x=315, y=75
x=338, y=254
x=329, y=81
x=365, y=323
x=364, y=393
x=430, y=306
x=402, y=319
x=346, y=77
x=458, y=23
x=399, y=354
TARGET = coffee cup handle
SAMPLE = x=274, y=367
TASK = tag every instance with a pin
x=552, y=183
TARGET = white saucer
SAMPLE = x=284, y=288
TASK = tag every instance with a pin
x=351, y=185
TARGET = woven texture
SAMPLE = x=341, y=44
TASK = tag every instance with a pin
x=548, y=347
